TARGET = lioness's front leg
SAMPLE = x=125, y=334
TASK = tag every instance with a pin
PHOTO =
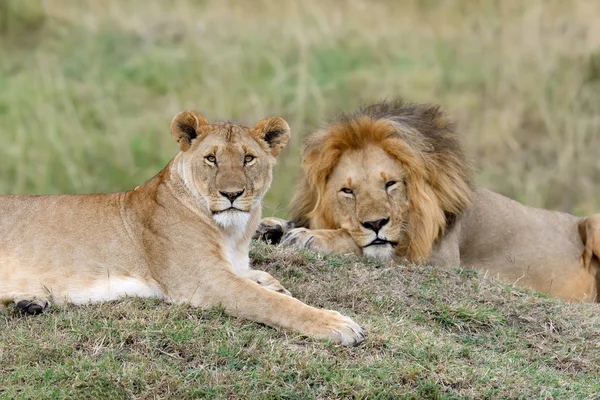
x=321, y=240
x=243, y=298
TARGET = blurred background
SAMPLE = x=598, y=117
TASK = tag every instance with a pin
x=88, y=89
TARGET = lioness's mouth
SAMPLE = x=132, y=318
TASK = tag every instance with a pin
x=229, y=209
x=380, y=242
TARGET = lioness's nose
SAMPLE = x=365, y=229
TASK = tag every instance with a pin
x=375, y=226
x=232, y=195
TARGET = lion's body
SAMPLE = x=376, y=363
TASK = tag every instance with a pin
x=528, y=246
x=391, y=181
x=183, y=236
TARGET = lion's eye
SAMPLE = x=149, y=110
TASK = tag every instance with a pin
x=211, y=159
x=390, y=184
x=347, y=190
x=248, y=159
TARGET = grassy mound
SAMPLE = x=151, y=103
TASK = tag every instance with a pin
x=431, y=334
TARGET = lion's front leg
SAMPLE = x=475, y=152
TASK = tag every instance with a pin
x=321, y=240
x=265, y=280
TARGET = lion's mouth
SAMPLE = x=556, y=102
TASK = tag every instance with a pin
x=230, y=209
x=381, y=242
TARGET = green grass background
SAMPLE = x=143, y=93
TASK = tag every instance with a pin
x=88, y=89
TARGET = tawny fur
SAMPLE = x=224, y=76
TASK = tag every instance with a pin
x=178, y=236
x=403, y=165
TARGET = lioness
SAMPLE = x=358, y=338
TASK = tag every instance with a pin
x=183, y=236
x=391, y=181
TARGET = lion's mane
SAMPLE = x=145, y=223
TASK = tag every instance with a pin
x=422, y=139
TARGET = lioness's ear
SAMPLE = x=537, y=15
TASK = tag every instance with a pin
x=275, y=131
x=184, y=128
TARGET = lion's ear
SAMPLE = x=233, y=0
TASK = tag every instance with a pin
x=275, y=131
x=184, y=128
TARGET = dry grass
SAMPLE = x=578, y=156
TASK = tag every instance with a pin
x=431, y=334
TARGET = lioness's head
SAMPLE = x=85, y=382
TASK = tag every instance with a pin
x=391, y=175
x=228, y=165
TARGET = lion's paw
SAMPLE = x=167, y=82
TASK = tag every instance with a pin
x=337, y=327
x=299, y=237
x=272, y=229
x=32, y=305
x=307, y=239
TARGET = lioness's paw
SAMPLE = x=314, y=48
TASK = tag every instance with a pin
x=337, y=327
x=33, y=305
x=271, y=229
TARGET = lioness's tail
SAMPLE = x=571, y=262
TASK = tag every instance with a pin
x=589, y=229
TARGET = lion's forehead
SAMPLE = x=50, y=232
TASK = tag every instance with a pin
x=366, y=167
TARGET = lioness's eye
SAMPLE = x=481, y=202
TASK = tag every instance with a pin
x=248, y=159
x=211, y=159
x=347, y=190
x=390, y=184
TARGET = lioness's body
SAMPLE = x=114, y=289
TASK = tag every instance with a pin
x=391, y=182
x=183, y=236
x=76, y=246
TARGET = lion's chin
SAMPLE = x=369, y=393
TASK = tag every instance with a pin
x=382, y=252
x=232, y=218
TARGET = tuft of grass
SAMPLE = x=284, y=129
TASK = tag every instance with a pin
x=430, y=334
x=467, y=317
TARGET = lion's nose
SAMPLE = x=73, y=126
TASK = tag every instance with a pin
x=376, y=225
x=232, y=195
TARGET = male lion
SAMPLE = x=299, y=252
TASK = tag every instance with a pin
x=391, y=181
x=182, y=236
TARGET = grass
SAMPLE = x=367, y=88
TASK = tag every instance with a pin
x=88, y=90
x=431, y=334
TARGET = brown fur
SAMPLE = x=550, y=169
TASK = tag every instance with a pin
x=391, y=181
x=183, y=236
